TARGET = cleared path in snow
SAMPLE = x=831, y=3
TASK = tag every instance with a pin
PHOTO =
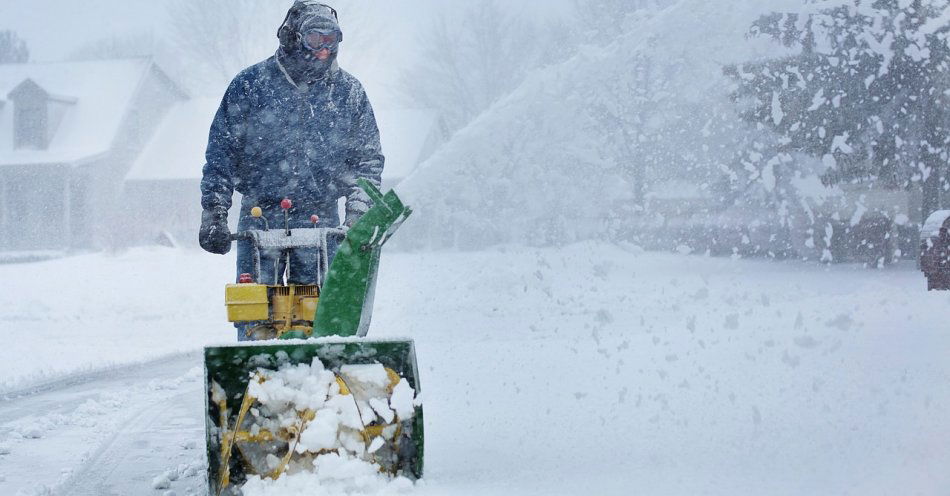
x=106, y=433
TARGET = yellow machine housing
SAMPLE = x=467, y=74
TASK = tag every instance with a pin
x=285, y=308
x=246, y=302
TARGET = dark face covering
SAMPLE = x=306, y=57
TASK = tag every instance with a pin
x=302, y=63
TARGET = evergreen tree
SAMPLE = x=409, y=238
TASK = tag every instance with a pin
x=866, y=91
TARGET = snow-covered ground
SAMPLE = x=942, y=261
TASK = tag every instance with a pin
x=586, y=370
x=92, y=311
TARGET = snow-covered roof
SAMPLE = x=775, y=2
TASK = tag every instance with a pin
x=404, y=134
x=177, y=149
x=102, y=91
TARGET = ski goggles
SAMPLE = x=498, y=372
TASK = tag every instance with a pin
x=316, y=40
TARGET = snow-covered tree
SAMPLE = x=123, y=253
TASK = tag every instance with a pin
x=13, y=50
x=866, y=91
x=469, y=60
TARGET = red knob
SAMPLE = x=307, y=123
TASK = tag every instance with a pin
x=245, y=278
x=314, y=219
x=286, y=204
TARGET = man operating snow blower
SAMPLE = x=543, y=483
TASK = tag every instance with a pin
x=294, y=127
x=313, y=396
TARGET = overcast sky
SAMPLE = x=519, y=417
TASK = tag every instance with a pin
x=53, y=28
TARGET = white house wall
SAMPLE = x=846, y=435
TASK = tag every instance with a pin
x=35, y=204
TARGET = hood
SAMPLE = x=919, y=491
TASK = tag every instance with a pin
x=297, y=61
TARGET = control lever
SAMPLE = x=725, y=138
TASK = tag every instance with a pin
x=286, y=204
x=257, y=213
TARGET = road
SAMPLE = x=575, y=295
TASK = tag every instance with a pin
x=109, y=433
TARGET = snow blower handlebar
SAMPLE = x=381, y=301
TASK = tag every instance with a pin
x=282, y=241
x=348, y=285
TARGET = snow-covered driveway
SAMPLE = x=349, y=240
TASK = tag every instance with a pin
x=111, y=433
x=586, y=370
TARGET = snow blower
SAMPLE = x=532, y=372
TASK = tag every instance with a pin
x=310, y=383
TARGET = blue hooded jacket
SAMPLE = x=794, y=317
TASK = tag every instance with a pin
x=272, y=139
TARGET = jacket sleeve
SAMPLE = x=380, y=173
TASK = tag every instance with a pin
x=365, y=158
x=225, y=142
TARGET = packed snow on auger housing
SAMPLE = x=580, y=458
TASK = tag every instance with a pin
x=344, y=428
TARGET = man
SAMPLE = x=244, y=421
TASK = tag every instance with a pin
x=294, y=126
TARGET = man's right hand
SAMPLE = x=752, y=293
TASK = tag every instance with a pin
x=214, y=235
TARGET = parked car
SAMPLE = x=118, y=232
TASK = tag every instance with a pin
x=935, y=250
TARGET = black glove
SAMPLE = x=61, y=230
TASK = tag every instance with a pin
x=214, y=235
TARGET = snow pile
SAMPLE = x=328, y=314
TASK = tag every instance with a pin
x=165, y=479
x=332, y=454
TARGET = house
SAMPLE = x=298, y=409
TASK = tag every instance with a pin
x=69, y=133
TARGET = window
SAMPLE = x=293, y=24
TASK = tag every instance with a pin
x=30, y=123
